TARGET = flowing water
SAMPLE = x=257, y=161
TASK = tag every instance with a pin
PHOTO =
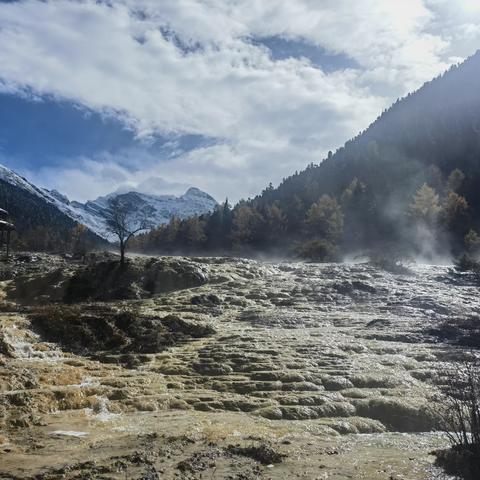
x=314, y=371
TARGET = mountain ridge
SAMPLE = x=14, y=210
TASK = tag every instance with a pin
x=92, y=214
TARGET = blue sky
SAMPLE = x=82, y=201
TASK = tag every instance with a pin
x=224, y=95
x=284, y=48
x=43, y=133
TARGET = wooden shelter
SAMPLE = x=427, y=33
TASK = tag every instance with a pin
x=6, y=229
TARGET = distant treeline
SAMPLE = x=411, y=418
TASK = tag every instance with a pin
x=431, y=223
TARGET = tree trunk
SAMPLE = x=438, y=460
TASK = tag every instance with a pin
x=122, y=254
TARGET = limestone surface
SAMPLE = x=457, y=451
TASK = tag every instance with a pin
x=199, y=368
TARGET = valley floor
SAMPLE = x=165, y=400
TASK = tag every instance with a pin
x=281, y=371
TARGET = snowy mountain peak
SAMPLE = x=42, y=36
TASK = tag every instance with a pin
x=196, y=192
x=92, y=214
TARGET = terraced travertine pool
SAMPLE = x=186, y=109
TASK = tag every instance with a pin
x=269, y=371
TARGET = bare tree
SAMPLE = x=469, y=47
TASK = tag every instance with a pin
x=462, y=415
x=459, y=411
x=124, y=221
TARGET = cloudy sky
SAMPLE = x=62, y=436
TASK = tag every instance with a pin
x=226, y=95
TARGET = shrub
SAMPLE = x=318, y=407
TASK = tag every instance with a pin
x=318, y=251
x=466, y=263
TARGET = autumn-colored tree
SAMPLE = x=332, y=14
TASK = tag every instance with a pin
x=472, y=243
x=455, y=180
x=455, y=213
x=173, y=230
x=325, y=219
x=42, y=239
x=246, y=223
x=78, y=240
x=425, y=207
x=275, y=223
x=193, y=232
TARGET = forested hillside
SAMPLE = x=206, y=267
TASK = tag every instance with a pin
x=39, y=224
x=409, y=183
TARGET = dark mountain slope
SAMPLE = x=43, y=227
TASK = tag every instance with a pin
x=29, y=211
x=420, y=139
x=39, y=224
x=439, y=124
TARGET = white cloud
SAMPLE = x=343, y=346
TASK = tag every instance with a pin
x=271, y=117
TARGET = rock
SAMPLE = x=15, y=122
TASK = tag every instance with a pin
x=372, y=381
x=397, y=415
x=206, y=300
x=145, y=405
x=272, y=413
x=349, y=288
x=283, y=376
x=119, y=394
x=301, y=387
x=336, y=383
x=114, y=337
x=5, y=347
x=139, y=278
x=212, y=369
x=26, y=258
x=299, y=413
x=263, y=453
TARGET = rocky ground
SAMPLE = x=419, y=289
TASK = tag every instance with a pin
x=212, y=368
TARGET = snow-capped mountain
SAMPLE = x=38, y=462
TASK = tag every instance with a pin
x=160, y=208
x=92, y=214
